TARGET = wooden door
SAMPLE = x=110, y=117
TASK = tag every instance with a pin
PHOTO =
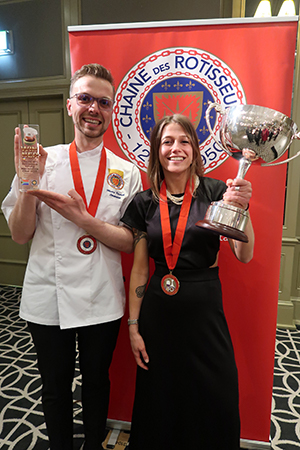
x=49, y=114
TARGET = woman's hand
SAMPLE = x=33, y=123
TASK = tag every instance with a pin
x=138, y=347
x=238, y=193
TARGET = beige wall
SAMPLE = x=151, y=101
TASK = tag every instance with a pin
x=289, y=289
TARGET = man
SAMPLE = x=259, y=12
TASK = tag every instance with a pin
x=73, y=287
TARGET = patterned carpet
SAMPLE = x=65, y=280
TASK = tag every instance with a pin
x=22, y=425
x=285, y=425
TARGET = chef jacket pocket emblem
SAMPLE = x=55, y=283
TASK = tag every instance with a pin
x=115, y=179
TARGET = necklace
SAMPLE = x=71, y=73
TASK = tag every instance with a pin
x=178, y=199
x=175, y=199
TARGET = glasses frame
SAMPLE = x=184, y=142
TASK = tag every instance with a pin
x=93, y=100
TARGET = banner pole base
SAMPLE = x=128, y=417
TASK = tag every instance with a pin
x=257, y=445
x=245, y=443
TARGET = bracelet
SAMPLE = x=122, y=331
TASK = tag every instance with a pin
x=133, y=321
x=246, y=209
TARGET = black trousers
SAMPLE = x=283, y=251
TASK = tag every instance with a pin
x=56, y=353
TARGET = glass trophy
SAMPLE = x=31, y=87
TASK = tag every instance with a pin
x=29, y=157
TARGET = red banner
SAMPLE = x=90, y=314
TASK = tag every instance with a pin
x=162, y=68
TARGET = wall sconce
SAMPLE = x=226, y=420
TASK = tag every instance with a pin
x=263, y=9
x=287, y=8
x=6, y=43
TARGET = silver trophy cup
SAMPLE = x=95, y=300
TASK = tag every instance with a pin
x=247, y=133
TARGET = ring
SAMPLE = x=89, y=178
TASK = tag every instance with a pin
x=237, y=188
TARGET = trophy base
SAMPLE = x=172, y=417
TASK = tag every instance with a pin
x=225, y=219
x=223, y=230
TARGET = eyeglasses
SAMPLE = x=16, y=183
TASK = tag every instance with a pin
x=106, y=104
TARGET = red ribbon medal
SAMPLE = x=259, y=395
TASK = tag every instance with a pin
x=169, y=283
x=87, y=244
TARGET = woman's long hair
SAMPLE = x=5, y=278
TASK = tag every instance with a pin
x=155, y=172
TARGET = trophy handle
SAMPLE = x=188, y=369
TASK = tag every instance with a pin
x=281, y=162
x=220, y=110
x=295, y=136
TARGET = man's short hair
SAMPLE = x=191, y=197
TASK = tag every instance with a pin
x=95, y=70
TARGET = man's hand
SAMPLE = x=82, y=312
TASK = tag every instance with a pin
x=17, y=148
x=70, y=206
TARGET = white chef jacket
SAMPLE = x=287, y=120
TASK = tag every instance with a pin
x=62, y=286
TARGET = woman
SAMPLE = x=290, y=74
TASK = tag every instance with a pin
x=187, y=386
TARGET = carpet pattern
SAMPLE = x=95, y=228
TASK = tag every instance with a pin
x=285, y=425
x=22, y=424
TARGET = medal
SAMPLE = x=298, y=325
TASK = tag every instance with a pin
x=169, y=283
x=87, y=244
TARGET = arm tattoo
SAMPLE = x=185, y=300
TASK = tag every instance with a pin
x=140, y=291
x=138, y=235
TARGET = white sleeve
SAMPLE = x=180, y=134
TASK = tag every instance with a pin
x=9, y=202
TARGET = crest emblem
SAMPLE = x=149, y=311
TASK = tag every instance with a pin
x=115, y=179
x=173, y=81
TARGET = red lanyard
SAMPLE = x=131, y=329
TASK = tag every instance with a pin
x=77, y=179
x=172, y=250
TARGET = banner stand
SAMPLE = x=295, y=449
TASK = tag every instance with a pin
x=181, y=66
x=118, y=425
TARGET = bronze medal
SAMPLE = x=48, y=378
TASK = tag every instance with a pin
x=170, y=284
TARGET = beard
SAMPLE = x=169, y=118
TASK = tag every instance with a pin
x=91, y=134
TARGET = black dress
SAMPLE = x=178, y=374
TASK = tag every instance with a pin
x=189, y=396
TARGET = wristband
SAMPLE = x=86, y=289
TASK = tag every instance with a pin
x=133, y=321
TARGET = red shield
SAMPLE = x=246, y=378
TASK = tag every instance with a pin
x=189, y=104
